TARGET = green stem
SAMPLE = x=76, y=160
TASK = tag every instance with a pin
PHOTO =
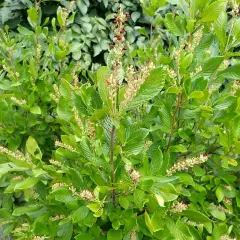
x=179, y=101
x=112, y=163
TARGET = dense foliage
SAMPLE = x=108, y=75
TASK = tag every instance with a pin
x=89, y=31
x=145, y=147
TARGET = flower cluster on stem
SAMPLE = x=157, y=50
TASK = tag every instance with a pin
x=118, y=49
x=134, y=175
x=182, y=164
x=64, y=145
x=87, y=195
x=226, y=237
x=134, y=81
x=178, y=207
x=57, y=218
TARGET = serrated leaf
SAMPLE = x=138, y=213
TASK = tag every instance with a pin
x=80, y=214
x=220, y=28
x=150, y=88
x=212, y=11
x=232, y=72
x=211, y=65
x=171, y=25
x=156, y=162
x=135, y=142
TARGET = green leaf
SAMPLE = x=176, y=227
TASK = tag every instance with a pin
x=224, y=103
x=166, y=118
x=171, y=25
x=105, y=2
x=210, y=66
x=186, y=178
x=97, y=49
x=64, y=109
x=94, y=207
x=196, y=216
x=26, y=184
x=80, y=214
x=178, y=148
x=157, y=221
x=84, y=236
x=76, y=46
x=65, y=229
x=181, y=4
x=60, y=18
x=220, y=28
x=32, y=17
x=212, y=11
x=102, y=75
x=148, y=222
x=114, y=235
x=3, y=110
x=124, y=202
x=32, y=148
x=29, y=210
x=35, y=110
x=150, y=88
x=220, y=193
x=138, y=198
x=196, y=94
x=82, y=7
x=232, y=72
x=236, y=30
x=160, y=200
x=135, y=142
x=156, y=162
x=187, y=60
x=135, y=16
x=218, y=215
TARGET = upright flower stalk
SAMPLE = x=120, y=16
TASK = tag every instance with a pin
x=118, y=49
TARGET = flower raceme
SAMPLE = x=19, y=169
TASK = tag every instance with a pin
x=182, y=165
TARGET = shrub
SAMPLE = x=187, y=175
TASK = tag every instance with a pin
x=90, y=29
x=146, y=148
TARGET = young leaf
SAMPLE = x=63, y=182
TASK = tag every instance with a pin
x=148, y=222
x=32, y=148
